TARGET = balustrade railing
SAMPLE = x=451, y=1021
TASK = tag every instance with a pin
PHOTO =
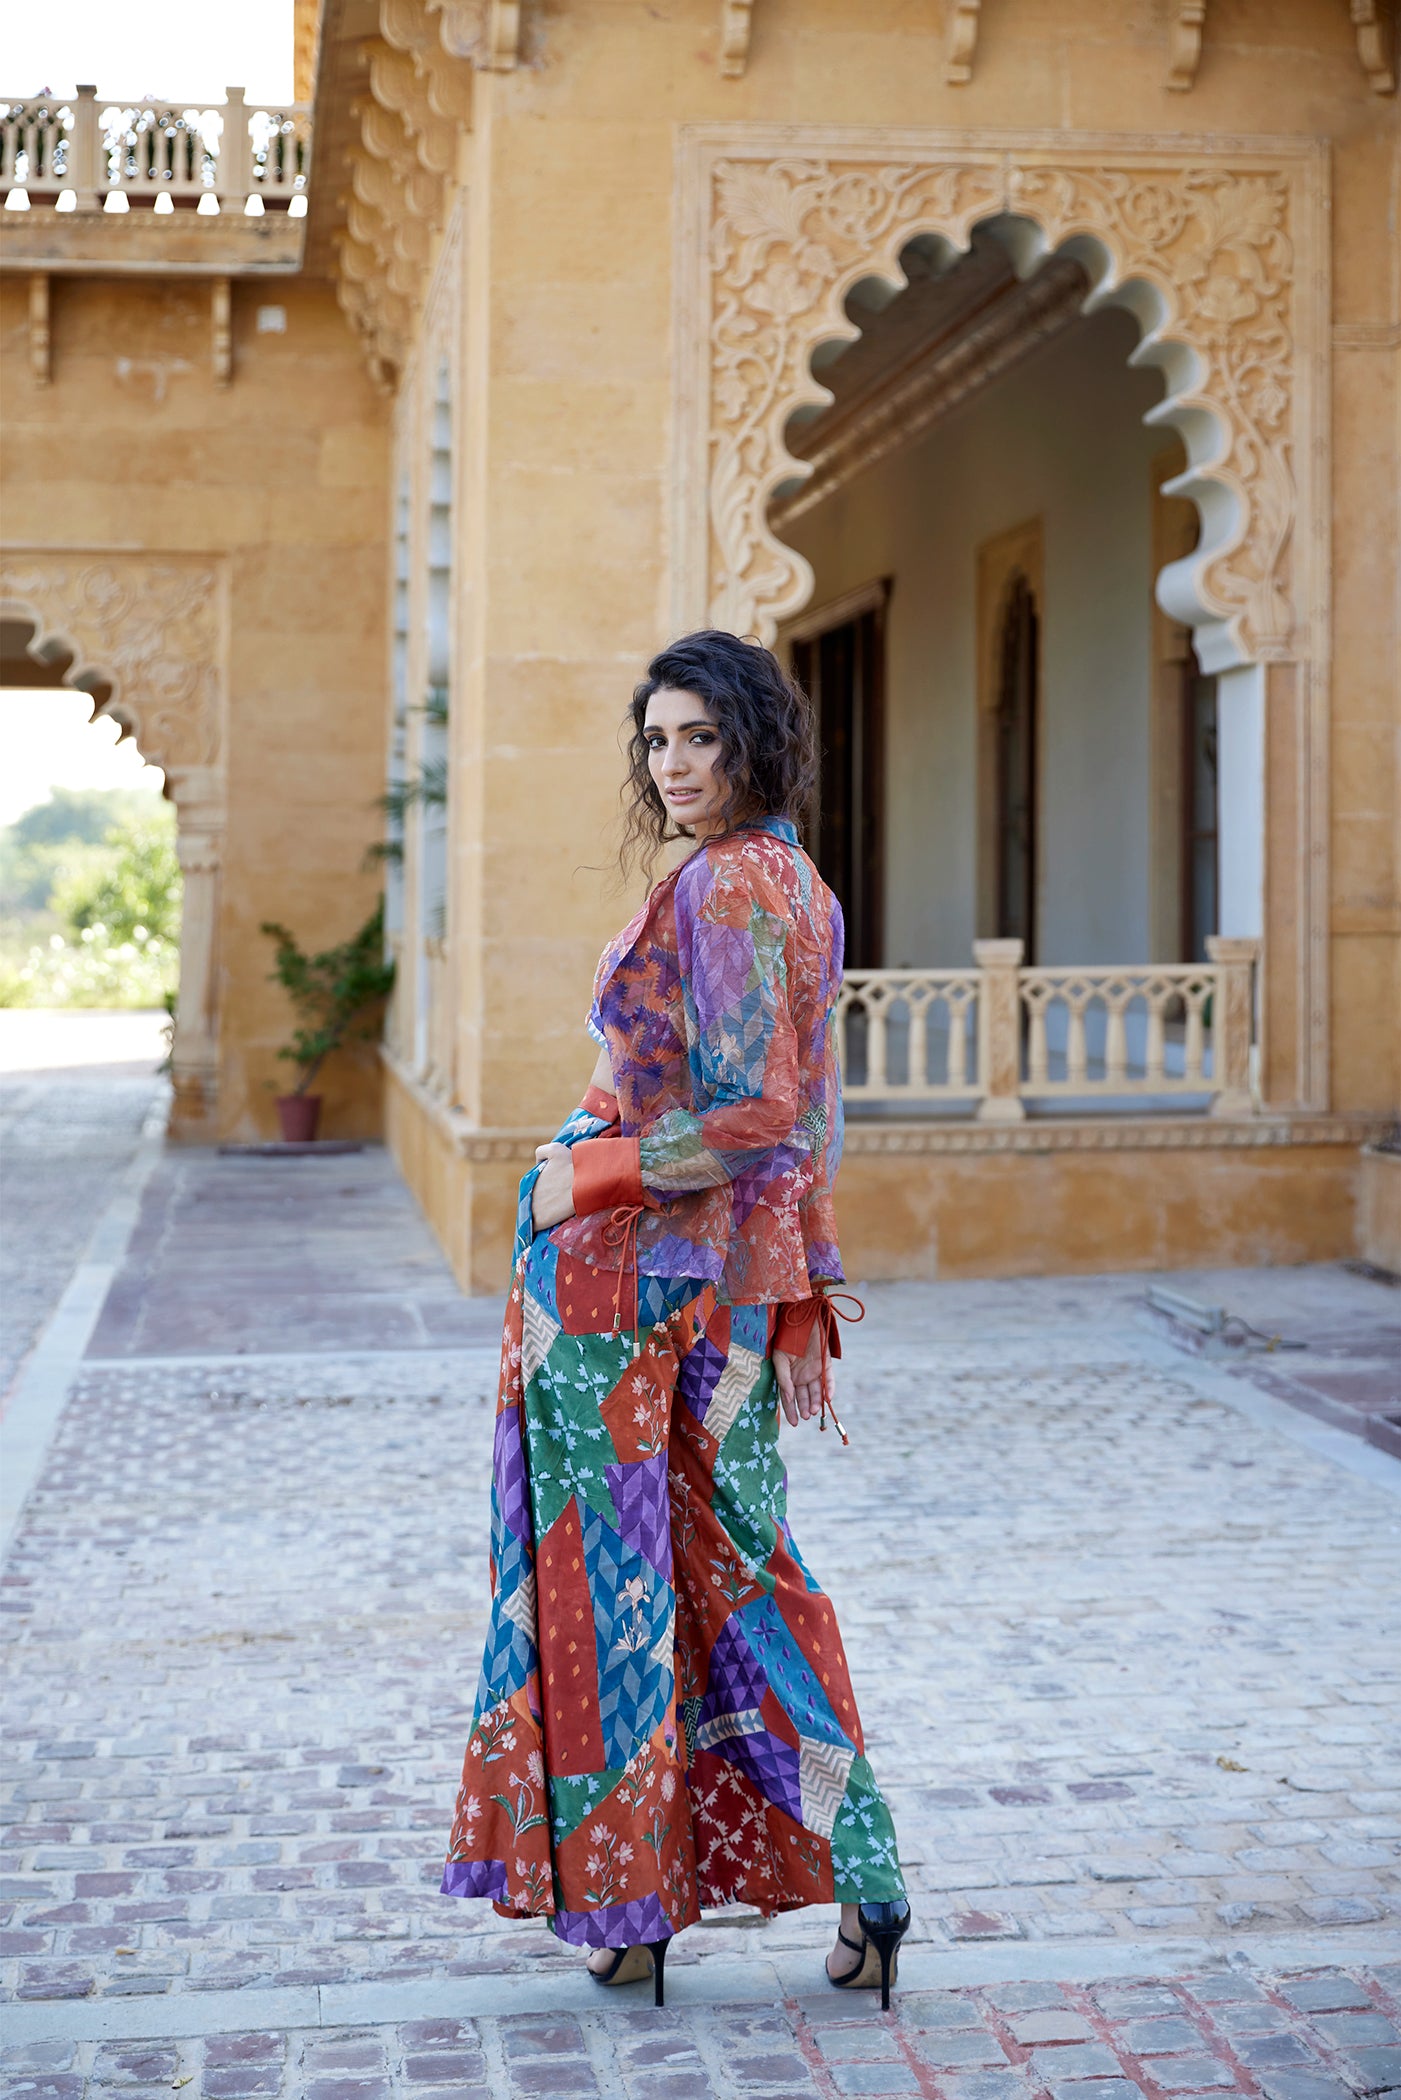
x=1003, y=1034
x=80, y=154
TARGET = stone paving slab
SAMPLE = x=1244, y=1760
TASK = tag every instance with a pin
x=1325, y=2035
x=66, y=1139
x=1127, y=1637
x=246, y=1611
x=251, y=1256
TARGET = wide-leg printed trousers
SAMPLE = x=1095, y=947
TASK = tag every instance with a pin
x=665, y=1719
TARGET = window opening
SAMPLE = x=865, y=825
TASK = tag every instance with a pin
x=842, y=669
x=1017, y=707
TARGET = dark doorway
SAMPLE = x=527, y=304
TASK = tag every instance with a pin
x=843, y=670
x=1199, y=811
x=1018, y=705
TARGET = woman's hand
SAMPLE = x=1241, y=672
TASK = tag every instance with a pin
x=553, y=1200
x=800, y=1379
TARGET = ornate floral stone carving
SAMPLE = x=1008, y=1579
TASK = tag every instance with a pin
x=149, y=627
x=787, y=236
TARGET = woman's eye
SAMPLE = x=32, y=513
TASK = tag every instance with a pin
x=703, y=736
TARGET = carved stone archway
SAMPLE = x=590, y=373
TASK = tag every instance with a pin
x=1220, y=251
x=145, y=633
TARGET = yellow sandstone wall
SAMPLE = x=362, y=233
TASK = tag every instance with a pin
x=565, y=582
x=282, y=475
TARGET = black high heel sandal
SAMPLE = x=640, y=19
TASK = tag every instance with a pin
x=883, y=1926
x=613, y=1974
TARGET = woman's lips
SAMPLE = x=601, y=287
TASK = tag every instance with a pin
x=681, y=794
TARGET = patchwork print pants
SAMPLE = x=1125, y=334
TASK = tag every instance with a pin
x=665, y=1719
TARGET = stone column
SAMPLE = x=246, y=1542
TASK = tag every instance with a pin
x=234, y=167
x=198, y=795
x=85, y=172
x=1232, y=1023
x=999, y=1031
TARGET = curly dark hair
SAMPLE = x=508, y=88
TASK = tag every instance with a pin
x=768, y=749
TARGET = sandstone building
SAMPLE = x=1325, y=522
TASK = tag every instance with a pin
x=1032, y=376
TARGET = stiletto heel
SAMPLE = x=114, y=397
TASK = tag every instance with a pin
x=657, y=1950
x=883, y=1926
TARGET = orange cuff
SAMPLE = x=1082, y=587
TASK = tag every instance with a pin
x=607, y=1173
x=793, y=1328
x=597, y=1103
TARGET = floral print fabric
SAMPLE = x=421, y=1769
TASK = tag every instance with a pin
x=715, y=1005
x=665, y=1719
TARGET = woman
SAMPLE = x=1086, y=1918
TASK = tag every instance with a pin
x=665, y=1718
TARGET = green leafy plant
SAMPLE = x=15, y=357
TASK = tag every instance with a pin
x=337, y=994
x=428, y=789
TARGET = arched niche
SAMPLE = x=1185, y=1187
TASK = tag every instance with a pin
x=143, y=637
x=1218, y=250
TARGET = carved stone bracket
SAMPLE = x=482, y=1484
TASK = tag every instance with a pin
x=40, y=364
x=960, y=41
x=1185, y=43
x=736, y=22
x=1373, y=48
x=145, y=634
x=221, y=330
x=489, y=34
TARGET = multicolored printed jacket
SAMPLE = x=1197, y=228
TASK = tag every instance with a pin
x=715, y=1005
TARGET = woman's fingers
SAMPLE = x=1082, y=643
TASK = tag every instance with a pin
x=783, y=1372
x=553, y=1200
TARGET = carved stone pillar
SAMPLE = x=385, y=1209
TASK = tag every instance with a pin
x=999, y=1032
x=198, y=795
x=1232, y=1027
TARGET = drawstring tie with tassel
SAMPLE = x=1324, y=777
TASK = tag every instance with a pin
x=621, y=1232
x=828, y=1314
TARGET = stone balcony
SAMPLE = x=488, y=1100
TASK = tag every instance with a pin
x=152, y=186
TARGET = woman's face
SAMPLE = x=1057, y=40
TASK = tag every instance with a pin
x=684, y=758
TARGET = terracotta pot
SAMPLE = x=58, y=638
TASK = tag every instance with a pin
x=299, y=1115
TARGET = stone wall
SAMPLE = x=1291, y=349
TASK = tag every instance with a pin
x=277, y=481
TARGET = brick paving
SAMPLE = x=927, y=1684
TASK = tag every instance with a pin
x=1129, y=1659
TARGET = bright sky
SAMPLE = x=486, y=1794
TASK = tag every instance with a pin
x=49, y=742
x=181, y=49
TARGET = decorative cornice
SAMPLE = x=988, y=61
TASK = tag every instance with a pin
x=503, y=1146
x=905, y=403
x=1113, y=1134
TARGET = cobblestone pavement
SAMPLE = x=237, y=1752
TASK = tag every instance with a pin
x=1322, y=2035
x=1126, y=1634
x=66, y=1134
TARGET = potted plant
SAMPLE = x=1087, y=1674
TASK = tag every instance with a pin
x=337, y=995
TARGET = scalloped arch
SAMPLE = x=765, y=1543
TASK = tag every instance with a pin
x=1203, y=249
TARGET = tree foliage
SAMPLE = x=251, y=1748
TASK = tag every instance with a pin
x=136, y=883
x=337, y=994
